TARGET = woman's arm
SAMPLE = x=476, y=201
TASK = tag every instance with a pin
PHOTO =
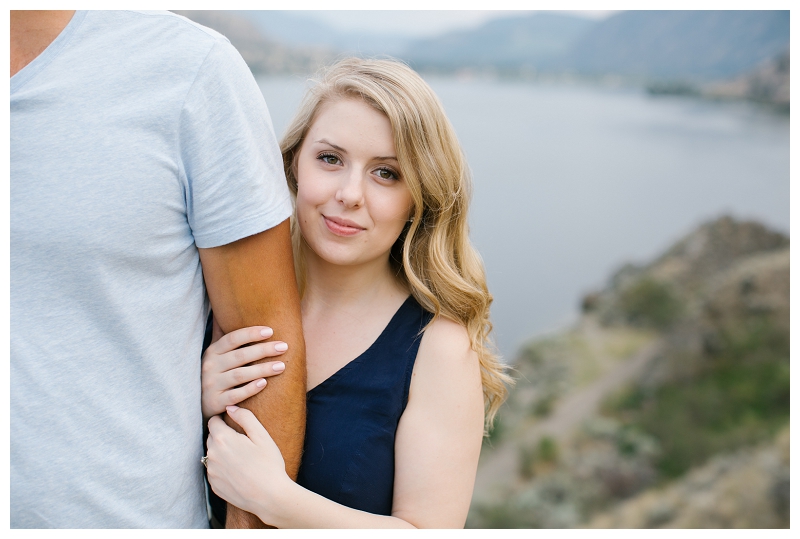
x=248, y=471
x=440, y=433
x=436, y=451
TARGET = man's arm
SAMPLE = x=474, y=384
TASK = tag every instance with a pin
x=251, y=282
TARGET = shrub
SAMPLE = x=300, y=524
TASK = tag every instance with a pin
x=543, y=456
x=740, y=398
x=649, y=303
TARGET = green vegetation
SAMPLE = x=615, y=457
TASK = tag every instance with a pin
x=552, y=502
x=500, y=516
x=543, y=456
x=650, y=303
x=527, y=462
x=547, y=450
x=740, y=397
x=543, y=406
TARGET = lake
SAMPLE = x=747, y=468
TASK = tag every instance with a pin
x=572, y=181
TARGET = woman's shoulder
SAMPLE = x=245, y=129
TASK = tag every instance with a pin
x=446, y=350
x=447, y=336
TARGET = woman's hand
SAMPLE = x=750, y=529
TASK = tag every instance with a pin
x=225, y=367
x=246, y=470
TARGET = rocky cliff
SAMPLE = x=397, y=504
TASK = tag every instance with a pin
x=677, y=372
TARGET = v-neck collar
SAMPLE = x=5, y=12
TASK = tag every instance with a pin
x=49, y=54
x=356, y=361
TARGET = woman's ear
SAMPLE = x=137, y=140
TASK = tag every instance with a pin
x=411, y=212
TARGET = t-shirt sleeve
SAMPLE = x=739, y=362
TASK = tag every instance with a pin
x=234, y=179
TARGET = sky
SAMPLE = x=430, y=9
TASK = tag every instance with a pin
x=421, y=23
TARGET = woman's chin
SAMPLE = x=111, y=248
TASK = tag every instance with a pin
x=336, y=256
x=343, y=255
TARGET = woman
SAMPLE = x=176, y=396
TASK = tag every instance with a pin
x=387, y=276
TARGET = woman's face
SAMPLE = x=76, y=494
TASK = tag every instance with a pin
x=352, y=202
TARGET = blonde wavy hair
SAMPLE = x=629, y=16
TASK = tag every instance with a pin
x=433, y=254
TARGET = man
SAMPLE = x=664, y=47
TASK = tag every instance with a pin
x=140, y=146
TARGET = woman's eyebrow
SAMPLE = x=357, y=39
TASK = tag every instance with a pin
x=331, y=144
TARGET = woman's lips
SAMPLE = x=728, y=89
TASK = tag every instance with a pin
x=342, y=227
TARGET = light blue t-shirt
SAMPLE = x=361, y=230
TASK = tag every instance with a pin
x=136, y=137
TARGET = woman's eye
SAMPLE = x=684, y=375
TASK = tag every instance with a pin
x=386, y=174
x=329, y=159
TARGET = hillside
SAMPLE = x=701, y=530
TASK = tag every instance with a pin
x=716, y=54
x=743, y=489
x=652, y=46
x=767, y=83
x=675, y=367
x=262, y=54
x=644, y=45
x=295, y=29
x=531, y=41
x=680, y=44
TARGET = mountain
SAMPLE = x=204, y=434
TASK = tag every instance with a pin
x=657, y=46
x=665, y=405
x=262, y=54
x=680, y=44
x=532, y=40
x=296, y=29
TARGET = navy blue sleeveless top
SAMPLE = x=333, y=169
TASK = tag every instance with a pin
x=352, y=417
x=348, y=455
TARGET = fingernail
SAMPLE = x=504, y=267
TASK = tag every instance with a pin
x=278, y=367
x=281, y=347
x=261, y=383
x=232, y=409
x=266, y=332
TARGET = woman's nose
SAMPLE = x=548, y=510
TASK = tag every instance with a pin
x=351, y=192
